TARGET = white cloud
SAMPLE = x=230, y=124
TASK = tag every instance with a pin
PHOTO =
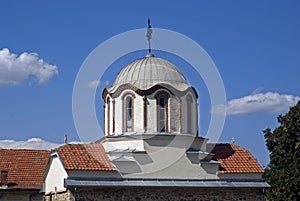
x=33, y=143
x=17, y=69
x=97, y=83
x=259, y=102
x=94, y=84
x=257, y=91
x=106, y=82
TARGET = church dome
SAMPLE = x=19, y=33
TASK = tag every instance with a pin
x=149, y=71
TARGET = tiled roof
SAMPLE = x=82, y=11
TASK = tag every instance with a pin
x=235, y=159
x=85, y=157
x=25, y=167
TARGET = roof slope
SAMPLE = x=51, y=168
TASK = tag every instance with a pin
x=25, y=167
x=85, y=157
x=235, y=159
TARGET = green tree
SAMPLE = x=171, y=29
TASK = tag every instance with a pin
x=283, y=171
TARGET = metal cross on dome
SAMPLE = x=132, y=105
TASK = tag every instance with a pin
x=149, y=34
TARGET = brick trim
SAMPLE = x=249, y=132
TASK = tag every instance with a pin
x=147, y=92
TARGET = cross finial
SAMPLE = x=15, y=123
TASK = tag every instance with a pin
x=149, y=26
x=65, y=139
x=232, y=140
x=149, y=34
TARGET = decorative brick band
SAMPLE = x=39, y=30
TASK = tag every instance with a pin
x=147, y=92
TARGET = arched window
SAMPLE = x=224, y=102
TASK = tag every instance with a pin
x=128, y=113
x=162, y=112
x=108, y=116
x=114, y=114
x=189, y=102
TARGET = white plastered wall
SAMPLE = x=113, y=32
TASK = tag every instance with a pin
x=151, y=114
x=193, y=116
x=174, y=114
x=161, y=160
x=138, y=113
x=55, y=176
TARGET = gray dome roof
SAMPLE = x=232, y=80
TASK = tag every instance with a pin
x=149, y=71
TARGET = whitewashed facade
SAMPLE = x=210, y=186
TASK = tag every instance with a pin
x=56, y=170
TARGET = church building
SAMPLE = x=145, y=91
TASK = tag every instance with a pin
x=151, y=149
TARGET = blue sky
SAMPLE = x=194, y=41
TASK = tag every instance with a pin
x=255, y=46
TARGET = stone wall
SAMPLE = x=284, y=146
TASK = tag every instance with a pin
x=164, y=194
x=61, y=196
x=15, y=195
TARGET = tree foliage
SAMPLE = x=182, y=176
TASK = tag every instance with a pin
x=283, y=171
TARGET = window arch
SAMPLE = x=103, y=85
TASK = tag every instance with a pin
x=128, y=115
x=162, y=99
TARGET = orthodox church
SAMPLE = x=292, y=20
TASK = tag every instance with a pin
x=151, y=149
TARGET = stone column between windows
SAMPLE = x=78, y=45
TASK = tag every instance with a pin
x=145, y=113
x=179, y=116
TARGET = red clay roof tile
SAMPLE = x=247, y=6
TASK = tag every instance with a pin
x=235, y=159
x=85, y=157
x=25, y=167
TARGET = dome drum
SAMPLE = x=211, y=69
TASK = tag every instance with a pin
x=154, y=97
